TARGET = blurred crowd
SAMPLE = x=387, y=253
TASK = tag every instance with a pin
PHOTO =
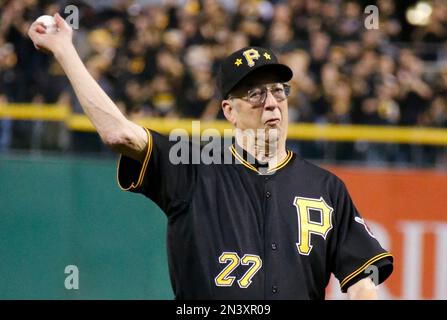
x=160, y=57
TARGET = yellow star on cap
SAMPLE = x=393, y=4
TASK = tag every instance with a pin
x=238, y=62
x=267, y=56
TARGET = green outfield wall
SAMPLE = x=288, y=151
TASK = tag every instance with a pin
x=59, y=212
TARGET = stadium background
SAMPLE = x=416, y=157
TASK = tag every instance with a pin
x=368, y=104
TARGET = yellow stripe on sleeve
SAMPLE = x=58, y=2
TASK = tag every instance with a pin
x=363, y=267
x=143, y=167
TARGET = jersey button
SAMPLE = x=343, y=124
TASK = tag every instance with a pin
x=274, y=246
x=274, y=289
x=268, y=194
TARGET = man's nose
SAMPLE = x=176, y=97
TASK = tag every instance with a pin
x=270, y=101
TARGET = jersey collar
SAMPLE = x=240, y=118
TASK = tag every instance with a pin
x=253, y=164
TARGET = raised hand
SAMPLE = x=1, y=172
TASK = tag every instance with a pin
x=51, y=42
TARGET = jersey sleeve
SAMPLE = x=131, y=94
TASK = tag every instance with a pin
x=167, y=183
x=358, y=253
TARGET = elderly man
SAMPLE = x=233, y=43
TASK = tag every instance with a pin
x=266, y=225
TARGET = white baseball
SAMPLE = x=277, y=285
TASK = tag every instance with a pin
x=49, y=23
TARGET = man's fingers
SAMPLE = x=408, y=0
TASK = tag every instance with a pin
x=40, y=29
x=36, y=28
x=36, y=23
x=46, y=42
x=35, y=32
x=60, y=22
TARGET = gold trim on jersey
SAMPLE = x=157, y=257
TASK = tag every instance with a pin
x=242, y=160
x=143, y=167
x=283, y=163
x=251, y=167
x=363, y=267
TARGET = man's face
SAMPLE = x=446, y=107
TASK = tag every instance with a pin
x=270, y=116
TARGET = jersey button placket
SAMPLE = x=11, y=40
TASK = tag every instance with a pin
x=271, y=237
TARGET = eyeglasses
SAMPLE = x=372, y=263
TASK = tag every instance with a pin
x=256, y=96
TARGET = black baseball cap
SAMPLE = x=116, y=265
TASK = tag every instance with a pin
x=236, y=67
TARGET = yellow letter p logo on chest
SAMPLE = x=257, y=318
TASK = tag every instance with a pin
x=306, y=226
x=251, y=55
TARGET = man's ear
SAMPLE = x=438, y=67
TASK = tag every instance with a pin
x=229, y=111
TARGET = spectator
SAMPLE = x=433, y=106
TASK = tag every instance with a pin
x=160, y=59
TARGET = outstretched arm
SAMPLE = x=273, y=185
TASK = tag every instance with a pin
x=114, y=128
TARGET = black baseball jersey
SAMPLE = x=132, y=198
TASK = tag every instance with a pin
x=234, y=233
